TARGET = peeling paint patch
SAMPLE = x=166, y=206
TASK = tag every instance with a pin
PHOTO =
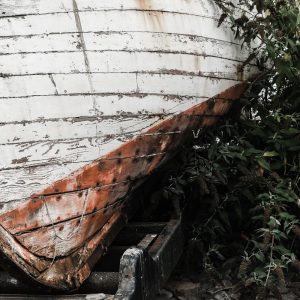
x=19, y=161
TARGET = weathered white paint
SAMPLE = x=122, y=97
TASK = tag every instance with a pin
x=107, y=83
x=116, y=21
x=25, y=7
x=28, y=110
x=17, y=184
x=58, y=152
x=81, y=77
x=118, y=62
x=64, y=129
x=124, y=41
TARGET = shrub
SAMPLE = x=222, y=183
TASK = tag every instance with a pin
x=238, y=184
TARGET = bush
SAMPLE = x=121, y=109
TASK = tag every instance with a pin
x=239, y=183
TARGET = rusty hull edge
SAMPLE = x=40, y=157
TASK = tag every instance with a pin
x=57, y=277
x=105, y=171
x=54, y=274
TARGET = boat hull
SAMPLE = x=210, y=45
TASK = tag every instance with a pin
x=57, y=245
x=95, y=95
x=80, y=78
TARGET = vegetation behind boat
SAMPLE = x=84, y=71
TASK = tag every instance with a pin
x=238, y=183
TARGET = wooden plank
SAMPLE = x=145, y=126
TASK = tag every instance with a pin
x=47, y=63
x=37, y=24
x=102, y=83
x=63, y=239
x=106, y=83
x=182, y=85
x=145, y=62
x=33, y=109
x=91, y=21
x=24, y=7
x=56, y=42
x=75, y=109
x=40, y=85
x=47, y=211
x=61, y=152
x=124, y=41
x=29, y=85
x=198, y=7
x=160, y=41
x=113, y=83
x=39, y=7
x=18, y=184
x=119, y=62
x=71, y=129
x=154, y=22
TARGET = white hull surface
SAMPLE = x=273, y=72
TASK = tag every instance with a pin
x=80, y=78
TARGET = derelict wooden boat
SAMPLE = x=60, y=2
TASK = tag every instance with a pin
x=95, y=95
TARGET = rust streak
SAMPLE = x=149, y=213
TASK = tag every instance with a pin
x=143, y=4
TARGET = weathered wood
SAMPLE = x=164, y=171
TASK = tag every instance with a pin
x=63, y=238
x=94, y=96
x=106, y=109
x=119, y=62
x=65, y=231
x=159, y=42
x=92, y=21
x=33, y=7
x=18, y=184
x=118, y=83
x=47, y=211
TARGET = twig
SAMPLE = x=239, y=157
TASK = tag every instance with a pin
x=271, y=258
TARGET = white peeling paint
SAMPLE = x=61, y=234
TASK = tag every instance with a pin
x=76, y=84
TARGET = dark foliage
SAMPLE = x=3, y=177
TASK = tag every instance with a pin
x=238, y=184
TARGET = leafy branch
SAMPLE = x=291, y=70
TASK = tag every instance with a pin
x=239, y=182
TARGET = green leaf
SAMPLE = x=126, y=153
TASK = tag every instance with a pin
x=291, y=131
x=260, y=256
x=264, y=164
x=282, y=250
x=270, y=154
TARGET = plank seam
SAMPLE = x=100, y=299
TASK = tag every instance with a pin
x=109, y=10
x=122, y=32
